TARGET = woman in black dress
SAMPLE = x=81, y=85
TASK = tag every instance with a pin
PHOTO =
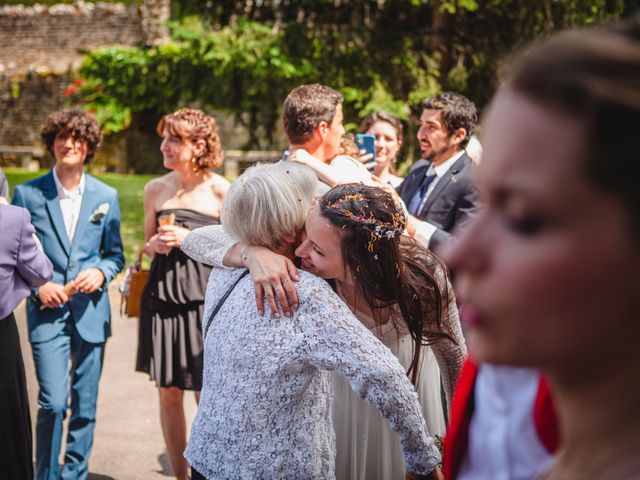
x=170, y=340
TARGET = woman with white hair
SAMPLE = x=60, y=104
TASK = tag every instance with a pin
x=265, y=408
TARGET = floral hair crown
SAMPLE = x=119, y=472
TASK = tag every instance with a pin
x=378, y=229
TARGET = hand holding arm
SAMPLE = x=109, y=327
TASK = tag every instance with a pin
x=52, y=295
x=89, y=280
x=421, y=230
x=273, y=276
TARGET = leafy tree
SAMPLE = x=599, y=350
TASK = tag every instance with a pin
x=244, y=57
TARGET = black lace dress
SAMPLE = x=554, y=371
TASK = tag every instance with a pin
x=171, y=309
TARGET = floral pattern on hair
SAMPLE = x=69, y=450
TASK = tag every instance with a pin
x=378, y=229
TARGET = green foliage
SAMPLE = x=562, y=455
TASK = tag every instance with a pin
x=452, y=6
x=247, y=68
x=237, y=69
x=244, y=57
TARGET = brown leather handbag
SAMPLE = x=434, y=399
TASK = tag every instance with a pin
x=134, y=282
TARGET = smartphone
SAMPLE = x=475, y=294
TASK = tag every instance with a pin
x=367, y=142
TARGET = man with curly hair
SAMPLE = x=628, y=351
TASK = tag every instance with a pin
x=77, y=220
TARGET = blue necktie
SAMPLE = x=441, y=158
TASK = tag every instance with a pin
x=416, y=201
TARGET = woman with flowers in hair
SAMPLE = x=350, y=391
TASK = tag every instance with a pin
x=266, y=398
x=396, y=288
x=170, y=339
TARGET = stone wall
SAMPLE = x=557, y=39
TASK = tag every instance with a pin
x=40, y=47
x=25, y=104
x=52, y=39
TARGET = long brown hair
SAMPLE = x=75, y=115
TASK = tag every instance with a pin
x=389, y=268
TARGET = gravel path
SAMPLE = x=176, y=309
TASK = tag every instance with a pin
x=128, y=442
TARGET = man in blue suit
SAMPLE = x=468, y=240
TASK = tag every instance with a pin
x=77, y=220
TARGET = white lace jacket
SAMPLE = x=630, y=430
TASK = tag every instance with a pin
x=210, y=244
x=265, y=406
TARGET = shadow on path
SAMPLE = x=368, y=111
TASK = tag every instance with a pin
x=165, y=465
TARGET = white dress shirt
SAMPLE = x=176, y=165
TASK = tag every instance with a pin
x=70, y=202
x=424, y=229
x=503, y=442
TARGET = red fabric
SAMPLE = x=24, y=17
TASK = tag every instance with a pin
x=456, y=441
x=462, y=406
x=545, y=418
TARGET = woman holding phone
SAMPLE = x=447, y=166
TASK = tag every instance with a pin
x=170, y=339
x=387, y=131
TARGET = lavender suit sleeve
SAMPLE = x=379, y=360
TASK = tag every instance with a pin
x=32, y=264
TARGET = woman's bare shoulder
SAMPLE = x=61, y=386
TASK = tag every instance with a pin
x=219, y=184
x=159, y=183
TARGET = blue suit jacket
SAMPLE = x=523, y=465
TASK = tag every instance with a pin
x=96, y=243
x=452, y=201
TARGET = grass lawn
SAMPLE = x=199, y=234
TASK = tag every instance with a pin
x=129, y=189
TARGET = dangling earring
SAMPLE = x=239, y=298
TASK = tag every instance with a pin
x=194, y=162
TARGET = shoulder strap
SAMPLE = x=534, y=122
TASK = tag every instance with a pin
x=221, y=302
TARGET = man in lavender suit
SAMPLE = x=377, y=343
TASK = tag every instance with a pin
x=23, y=266
x=77, y=219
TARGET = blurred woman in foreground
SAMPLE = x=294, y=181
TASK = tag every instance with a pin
x=549, y=271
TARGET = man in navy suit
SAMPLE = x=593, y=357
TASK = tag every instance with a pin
x=77, y=219
x=439, y=193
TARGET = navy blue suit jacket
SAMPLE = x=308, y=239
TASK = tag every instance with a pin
x=96, y=243
x=450, y=203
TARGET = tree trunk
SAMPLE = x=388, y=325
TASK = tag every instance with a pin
x=441, y=27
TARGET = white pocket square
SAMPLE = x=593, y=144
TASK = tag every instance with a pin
x=99, y=213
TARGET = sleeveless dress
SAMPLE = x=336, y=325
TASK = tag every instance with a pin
x=171, y=309
x=366, y=448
